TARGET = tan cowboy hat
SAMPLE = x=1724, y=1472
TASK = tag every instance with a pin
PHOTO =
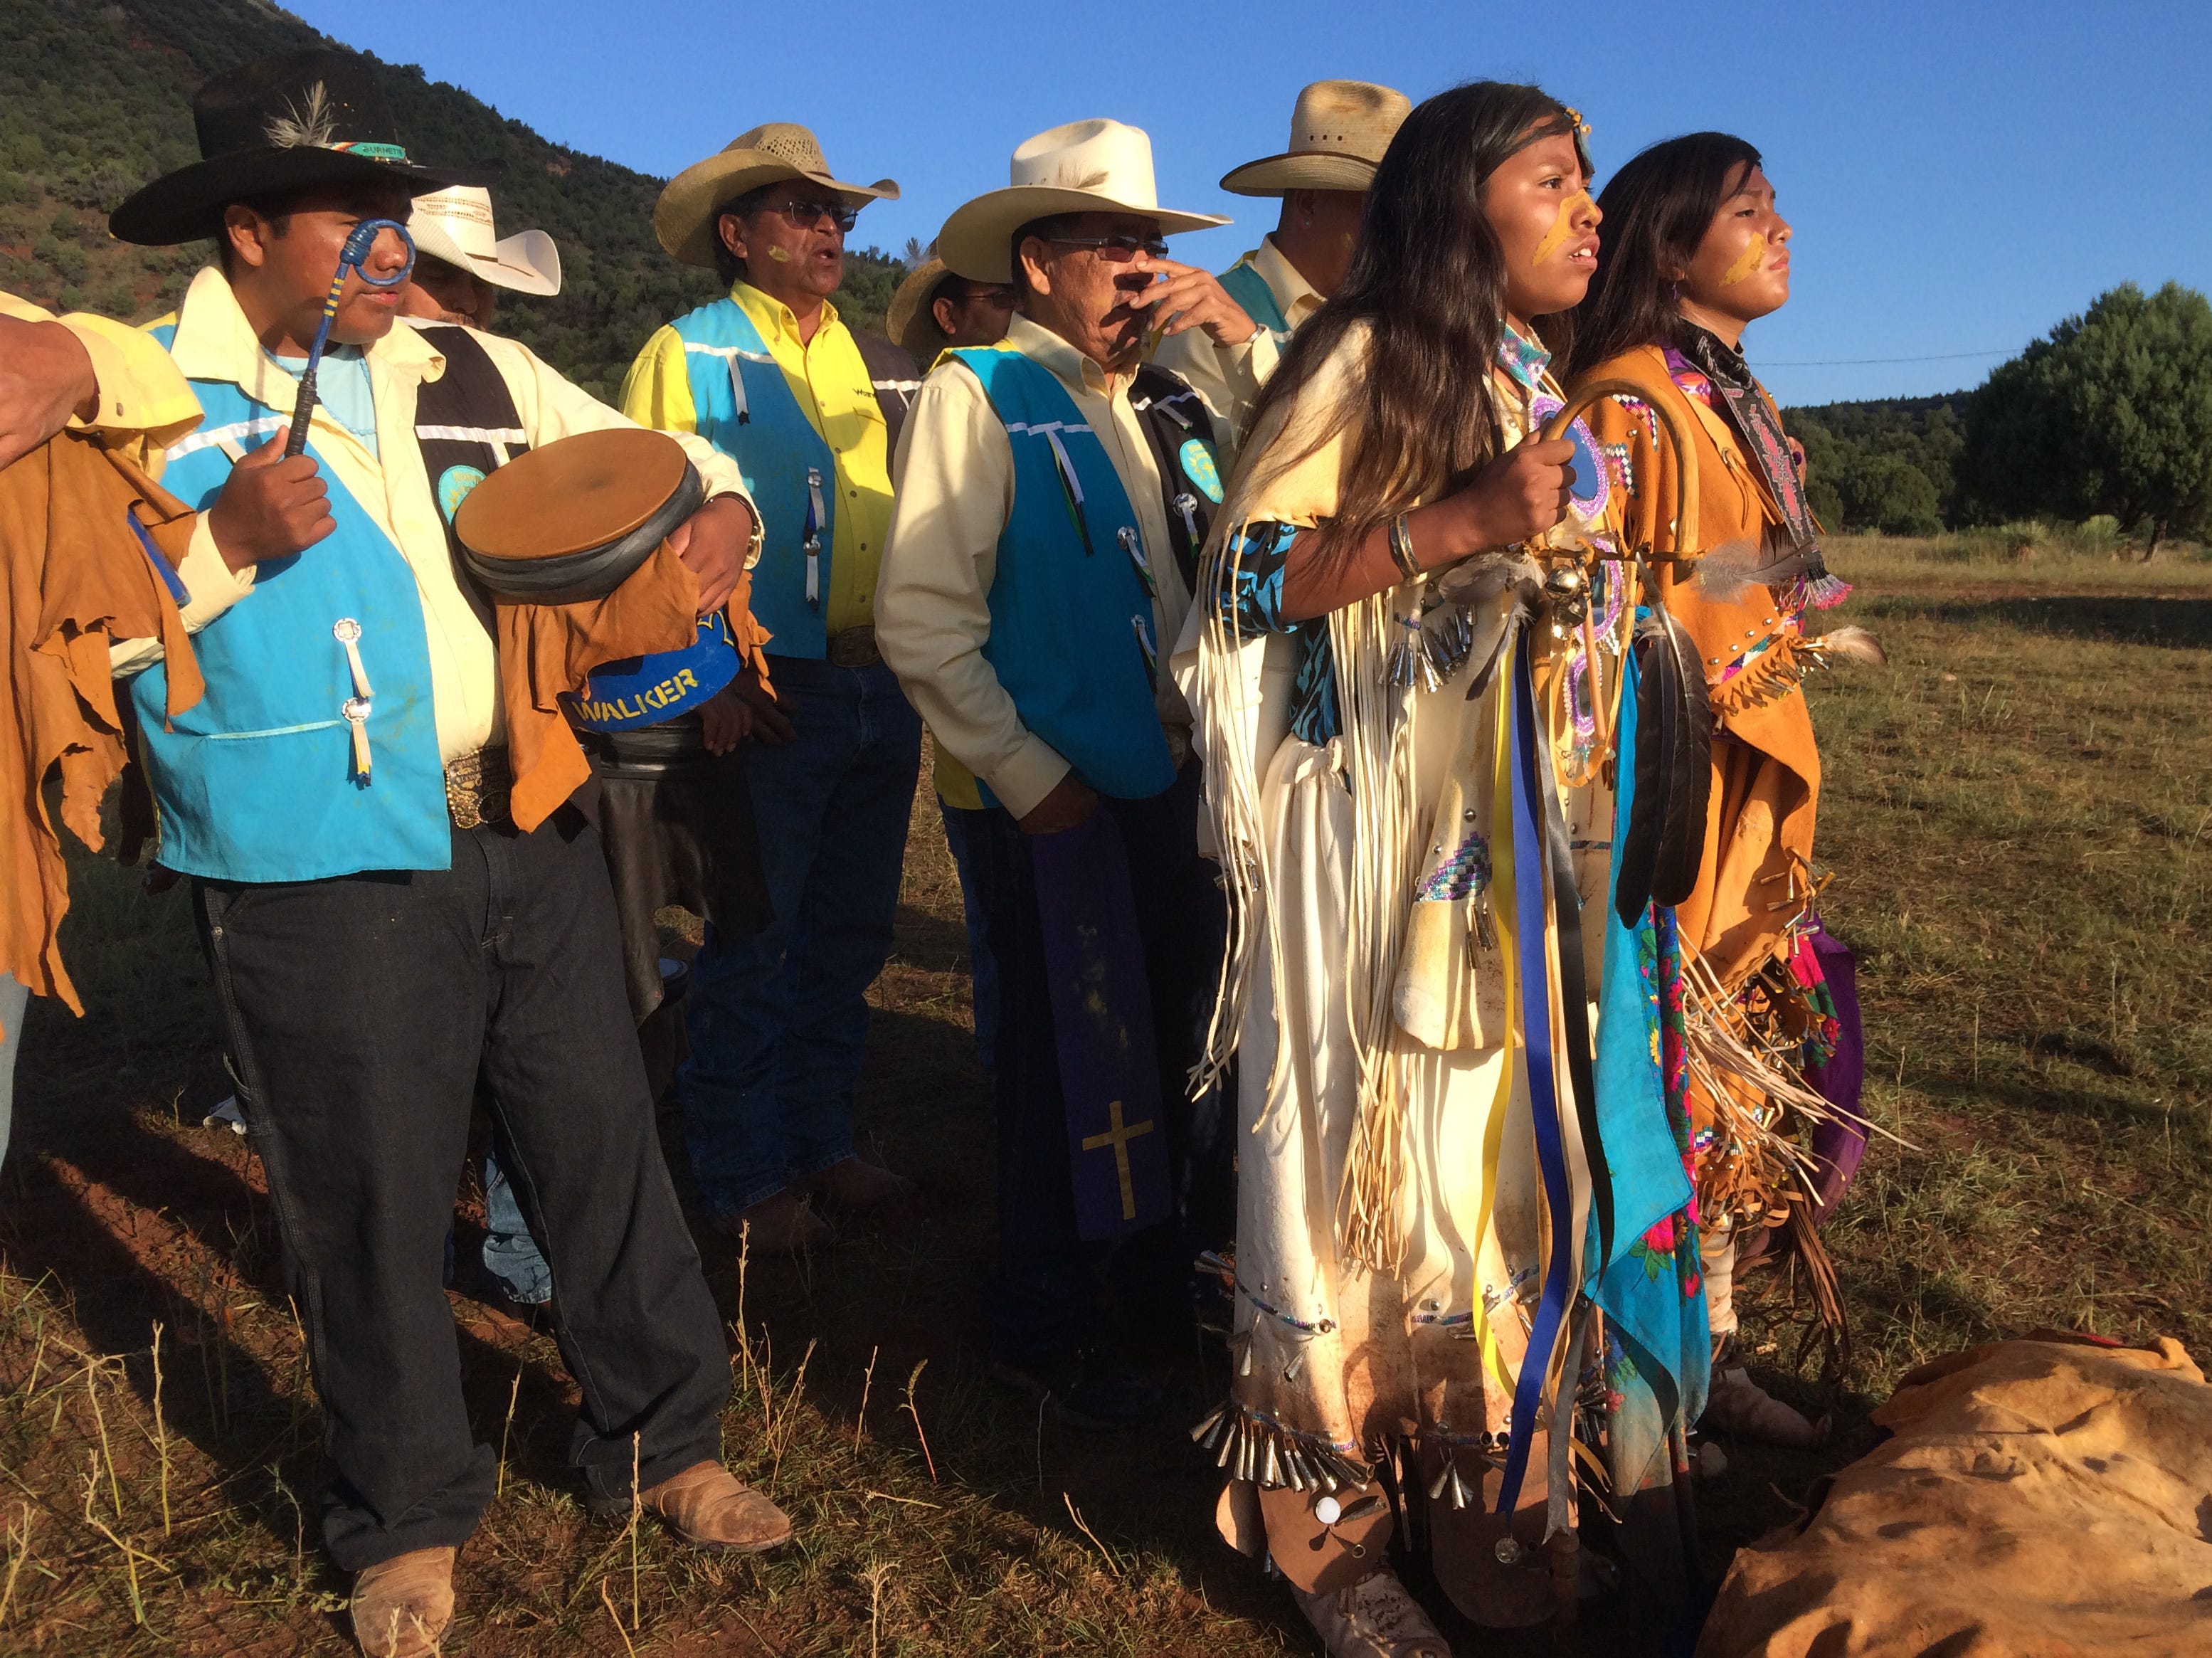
x=1085, y=166
x=684, y=218
x=1338, y=130
x=455, y=225
x=911, y=319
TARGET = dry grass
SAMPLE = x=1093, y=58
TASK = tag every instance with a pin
x=2018, y=812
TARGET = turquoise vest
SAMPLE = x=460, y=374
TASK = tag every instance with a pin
x=1071, y=616
x=1249, y=289
x=256, y=782
x=744, y=407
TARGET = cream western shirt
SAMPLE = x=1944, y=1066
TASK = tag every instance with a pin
x=1229, y=377
x=954, y=473
x=215, y=341
x=144, y=404
x=830, y=384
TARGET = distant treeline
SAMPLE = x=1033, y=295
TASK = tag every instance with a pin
x=2108, y=416
x=1885, y=465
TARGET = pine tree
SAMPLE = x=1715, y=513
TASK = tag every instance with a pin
x=2110, y=413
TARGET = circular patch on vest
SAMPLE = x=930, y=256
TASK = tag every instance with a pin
x=1198, y=466
x=453, y=486
x=1592, y=487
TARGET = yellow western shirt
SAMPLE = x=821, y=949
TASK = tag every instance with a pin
x=144, y=404
x=833, y=389
x=1229, y=377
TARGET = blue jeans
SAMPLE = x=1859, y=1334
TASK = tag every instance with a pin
x=510, y=1253
x=779, y=1018
x=14, y=1000
x=982, y=966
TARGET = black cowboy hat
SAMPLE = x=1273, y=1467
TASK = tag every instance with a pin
x=275, y=126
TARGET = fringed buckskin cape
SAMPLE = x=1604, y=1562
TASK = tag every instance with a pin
x=1766, y=771
x=75, y=578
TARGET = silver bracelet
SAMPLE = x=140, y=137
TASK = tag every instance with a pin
x=1401, y=549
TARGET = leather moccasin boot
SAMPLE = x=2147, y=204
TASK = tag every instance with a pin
x=1739, y=1405
x=1373, y=1617
x=401, y=1605
x=711, y=1508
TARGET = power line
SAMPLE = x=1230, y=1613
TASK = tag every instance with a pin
x=1854, y=362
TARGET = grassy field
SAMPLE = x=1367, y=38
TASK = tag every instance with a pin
x=2017, y=812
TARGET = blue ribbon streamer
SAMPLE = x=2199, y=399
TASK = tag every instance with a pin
x=1530, y=895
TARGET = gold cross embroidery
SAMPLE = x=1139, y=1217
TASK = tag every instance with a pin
x=1119, y=1138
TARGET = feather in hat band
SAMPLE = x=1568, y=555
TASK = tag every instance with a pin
x=313, y=125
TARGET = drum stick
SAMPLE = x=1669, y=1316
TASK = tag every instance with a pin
x=352, y=257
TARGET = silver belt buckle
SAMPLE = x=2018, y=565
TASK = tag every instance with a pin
x=855, y=647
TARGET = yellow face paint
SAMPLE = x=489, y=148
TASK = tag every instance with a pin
x=778, y=254
x=1563, y=227
x=1754, y=256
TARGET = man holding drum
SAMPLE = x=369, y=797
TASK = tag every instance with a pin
x=370, y=954
x=778, y=1017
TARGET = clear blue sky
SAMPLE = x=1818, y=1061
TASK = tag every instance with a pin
x=1960, y=176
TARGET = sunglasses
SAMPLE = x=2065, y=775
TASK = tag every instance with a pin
x=1117, y=250
x=806, y=214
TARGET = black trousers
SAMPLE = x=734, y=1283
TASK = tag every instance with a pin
x=360, y=1012
x=1047, y=1295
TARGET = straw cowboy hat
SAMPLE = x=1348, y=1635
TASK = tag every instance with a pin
x=684, y=218
x=1085, y=166
x=1338, y=130
x=274, y=126
x=910, y=320
x=455, y=225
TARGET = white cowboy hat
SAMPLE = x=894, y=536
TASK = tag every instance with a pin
x=1338, y=130
x=1085, y=166
x=455, y=225
x=684, y=218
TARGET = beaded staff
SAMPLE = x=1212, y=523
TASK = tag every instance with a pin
x=352, y=257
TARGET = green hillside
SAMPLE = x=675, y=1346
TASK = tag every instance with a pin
x=94, y=101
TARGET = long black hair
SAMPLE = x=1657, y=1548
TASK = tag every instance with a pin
x=1657, y=208
x=1428, y=279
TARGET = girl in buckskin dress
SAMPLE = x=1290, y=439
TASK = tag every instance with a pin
x=1407, y=670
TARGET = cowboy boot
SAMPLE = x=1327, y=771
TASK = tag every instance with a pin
x=853, y=1182
x=781, y=1225
x=708, y=1507
x=401, y=1605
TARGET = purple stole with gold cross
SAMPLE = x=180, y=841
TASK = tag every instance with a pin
x=1102, y=1018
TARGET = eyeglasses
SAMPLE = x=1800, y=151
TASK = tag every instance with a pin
x=1116, y=250
x=806, y=214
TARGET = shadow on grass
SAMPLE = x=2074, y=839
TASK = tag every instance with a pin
x=130, y=1225
x=2182, y=623
x=932, y=944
